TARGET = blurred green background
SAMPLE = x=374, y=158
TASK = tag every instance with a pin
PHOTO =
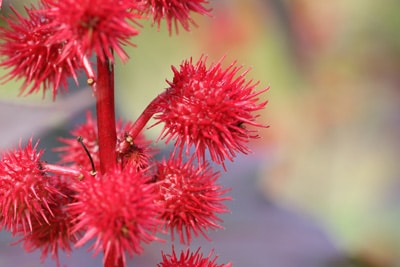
x=332, y=148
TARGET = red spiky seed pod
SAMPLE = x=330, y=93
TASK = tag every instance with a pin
x=209, y=109
x=190, y=259
x=73, y=153
x=190, y=198
x=57, y=233
x=32, y=54
x=117, y=211
x=26, y=193
x=98, y=26
x=176, y=12
x=133, y=152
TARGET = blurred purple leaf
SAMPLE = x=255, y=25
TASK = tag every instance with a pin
x=22, y=121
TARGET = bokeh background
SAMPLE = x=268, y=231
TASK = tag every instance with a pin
x=322, y=187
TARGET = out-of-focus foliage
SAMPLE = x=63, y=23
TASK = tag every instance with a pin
x=335, y=147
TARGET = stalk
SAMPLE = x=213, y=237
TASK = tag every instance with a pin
x=105, y=108
x=146, y=115
x=60, y=170
x=107, y=136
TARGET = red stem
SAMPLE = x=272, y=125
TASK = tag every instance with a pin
x=105, y=107
x=60, y=170
x=146, y=115
x=107, y=136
